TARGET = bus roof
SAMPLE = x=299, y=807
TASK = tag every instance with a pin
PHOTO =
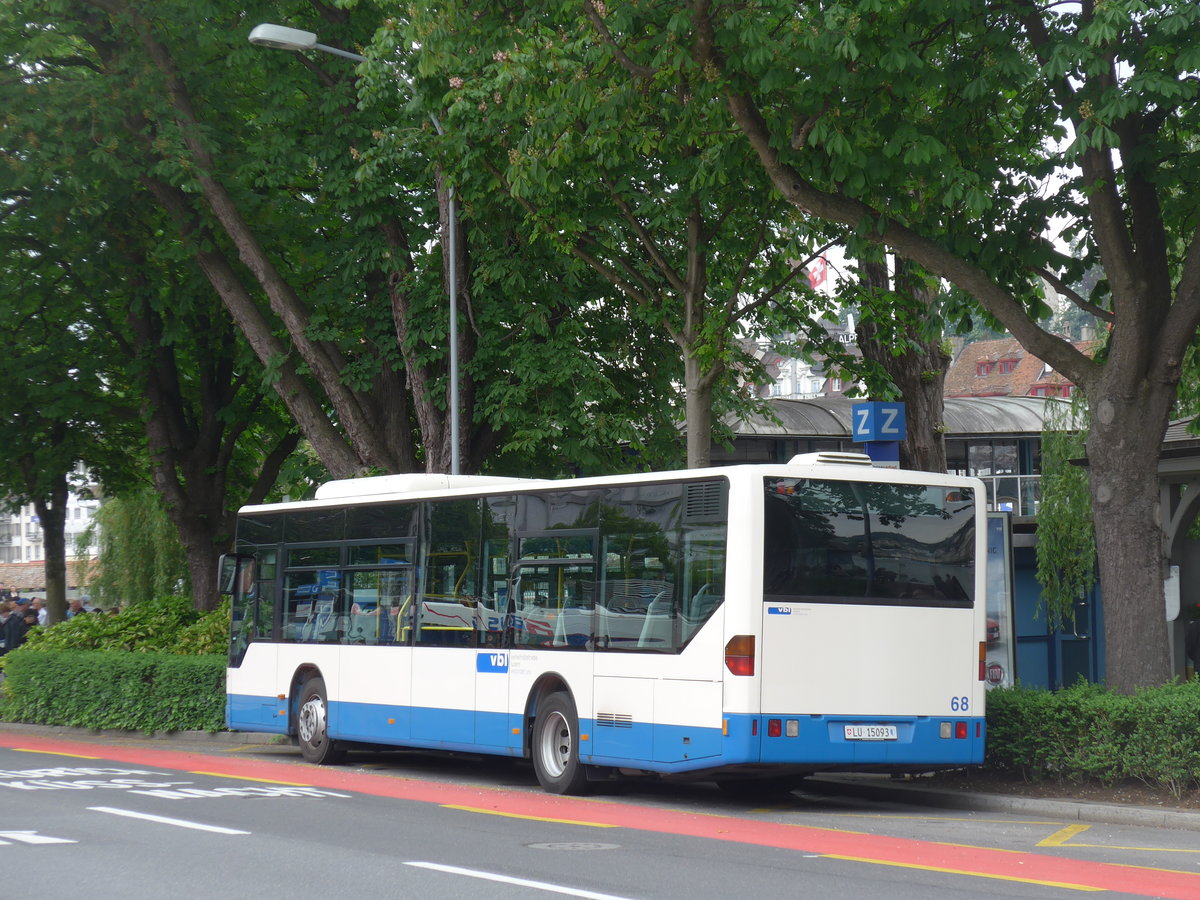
x=421, y=486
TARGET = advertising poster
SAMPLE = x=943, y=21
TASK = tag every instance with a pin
x=1001, y=652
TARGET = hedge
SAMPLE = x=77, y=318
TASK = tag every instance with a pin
x=1081, y=734
x=114, y=689
x=1086, y=733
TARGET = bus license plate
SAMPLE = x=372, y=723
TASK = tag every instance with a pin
x=870, y=732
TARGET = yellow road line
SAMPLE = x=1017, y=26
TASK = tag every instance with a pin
x=901, y=865
x=248, y=778
x=52, y=753
x=1060, y=837
x=496, y=812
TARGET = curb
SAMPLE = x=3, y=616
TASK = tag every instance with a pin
x=230, y=738
x=875, y=788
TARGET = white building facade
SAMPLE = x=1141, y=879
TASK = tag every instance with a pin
x=22, y=538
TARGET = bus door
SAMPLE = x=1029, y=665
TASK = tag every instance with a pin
x=444, y=626
x=494, y=716
x=378, y=603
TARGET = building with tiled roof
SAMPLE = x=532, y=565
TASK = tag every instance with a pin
x=1003, y=368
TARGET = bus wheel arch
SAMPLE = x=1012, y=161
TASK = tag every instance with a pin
x=549, y=683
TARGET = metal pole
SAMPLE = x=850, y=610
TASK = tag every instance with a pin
x=294, y=39
x=451, y=249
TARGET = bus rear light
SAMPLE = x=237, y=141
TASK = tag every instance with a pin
x=774, y=727
x=792, y=727
x=983, y=660
x=956, y=730
x=739, y=654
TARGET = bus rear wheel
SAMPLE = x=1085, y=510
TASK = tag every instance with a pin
x=556, y=747
x=312, y=724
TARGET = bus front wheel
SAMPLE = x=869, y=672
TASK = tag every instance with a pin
x=556, y=747
x=312, y=724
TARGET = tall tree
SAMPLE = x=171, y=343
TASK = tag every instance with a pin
x=961, y=134
x=162, y=390
x=328, y=253
x=640, y=178
x=54, y=405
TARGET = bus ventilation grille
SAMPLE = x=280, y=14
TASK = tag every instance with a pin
x=829, y=458
x=704, y=501
x=614, y=720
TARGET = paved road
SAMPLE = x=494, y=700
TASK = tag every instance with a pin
x=134, y=818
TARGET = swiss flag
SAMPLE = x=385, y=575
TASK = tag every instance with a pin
x=817, y=272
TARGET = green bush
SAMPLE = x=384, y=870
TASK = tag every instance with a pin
x=1086, y=733
x=170, y=624
x=207, y=635
x=133, y=691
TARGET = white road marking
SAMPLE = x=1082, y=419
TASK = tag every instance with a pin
x=522, y=882
x=182, y=823
x=31, y=837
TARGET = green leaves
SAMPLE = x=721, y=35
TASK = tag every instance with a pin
x=150, y=692
x=1066, y=548
x=1086, y=733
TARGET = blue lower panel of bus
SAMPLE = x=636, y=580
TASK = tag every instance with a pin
x=265, y=714
x=801, y=740
x=856, y=740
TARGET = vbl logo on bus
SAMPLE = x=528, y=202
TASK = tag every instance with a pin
x=491, y=661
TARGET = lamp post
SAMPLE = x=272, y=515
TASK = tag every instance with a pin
x=283, y=38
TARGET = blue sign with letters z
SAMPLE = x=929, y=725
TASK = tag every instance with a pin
x=878, y=422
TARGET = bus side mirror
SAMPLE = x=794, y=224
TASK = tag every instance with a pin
x=232, y=567
x=227, y=574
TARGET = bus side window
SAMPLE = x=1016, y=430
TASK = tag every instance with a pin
x=637, y=609
x=446, y=608
x=380, y=604
x=553, y=604
x=497, y=522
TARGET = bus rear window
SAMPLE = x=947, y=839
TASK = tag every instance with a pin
x=856, y=542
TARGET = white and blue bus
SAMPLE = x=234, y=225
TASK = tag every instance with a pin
x=755, y=621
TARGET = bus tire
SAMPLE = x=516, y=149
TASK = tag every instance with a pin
x=312, y=724
x=555, y=746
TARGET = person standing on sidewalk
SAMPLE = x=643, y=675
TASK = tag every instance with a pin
x=15, y=627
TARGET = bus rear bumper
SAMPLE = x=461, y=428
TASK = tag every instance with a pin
x=852, y=741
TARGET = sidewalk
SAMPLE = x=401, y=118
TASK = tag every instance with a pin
x=865, y=786
x=881, y=787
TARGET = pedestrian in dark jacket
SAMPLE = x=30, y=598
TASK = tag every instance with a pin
x=15, y=628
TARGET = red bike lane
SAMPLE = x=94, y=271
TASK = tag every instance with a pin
x=980, y=862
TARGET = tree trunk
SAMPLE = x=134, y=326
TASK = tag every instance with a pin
x=52, y=516
x=1125, y=437
x=203, y=551
x=919, y=372
x=698, y=406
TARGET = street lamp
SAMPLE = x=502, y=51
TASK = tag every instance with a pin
x=283, y=38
